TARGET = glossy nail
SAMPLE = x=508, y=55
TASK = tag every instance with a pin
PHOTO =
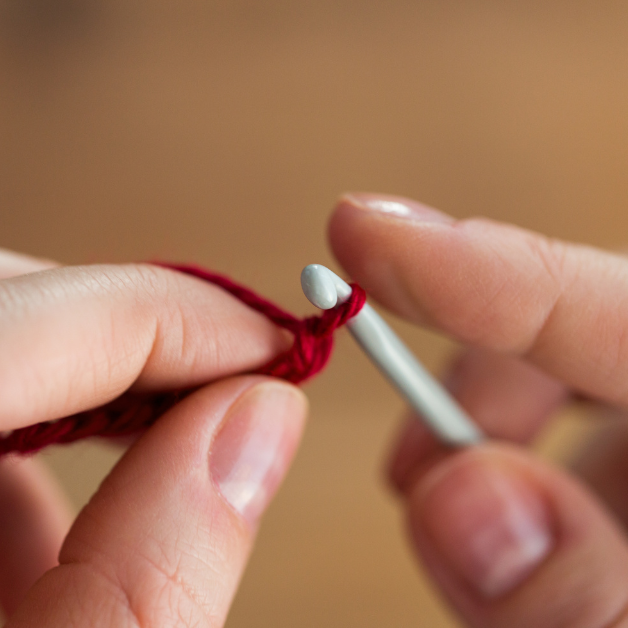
x=252, y=452
x=395, y=206
x=488, y=523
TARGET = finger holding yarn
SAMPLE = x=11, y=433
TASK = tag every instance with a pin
x=131, y=413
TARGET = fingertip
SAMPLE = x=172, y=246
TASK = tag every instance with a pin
x=371, y=235
x=75, y=338
x=488, y=519
x=254, y=448
x=513, y=541
x=169, y=531
x=391, y=206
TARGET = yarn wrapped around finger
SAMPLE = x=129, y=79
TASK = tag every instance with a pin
x=132, y=413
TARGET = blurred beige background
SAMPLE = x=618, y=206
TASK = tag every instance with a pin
x=221, y=131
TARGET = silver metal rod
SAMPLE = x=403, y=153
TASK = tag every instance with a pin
x=447, y=420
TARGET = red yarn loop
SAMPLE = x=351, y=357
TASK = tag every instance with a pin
x=132, y=413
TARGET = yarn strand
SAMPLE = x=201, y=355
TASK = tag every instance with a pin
x=132, y=413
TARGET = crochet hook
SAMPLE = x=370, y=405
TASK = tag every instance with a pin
x=446, y=419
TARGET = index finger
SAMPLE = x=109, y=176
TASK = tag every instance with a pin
x=73, y=338
x=562, y=306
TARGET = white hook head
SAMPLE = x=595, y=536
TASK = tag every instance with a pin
x=318, y=286
x=324, y=288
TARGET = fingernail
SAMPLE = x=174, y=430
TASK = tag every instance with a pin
x=395, y=206
x=490, y=525
x=252, y=452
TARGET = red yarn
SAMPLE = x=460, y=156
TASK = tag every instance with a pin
x=132, y=413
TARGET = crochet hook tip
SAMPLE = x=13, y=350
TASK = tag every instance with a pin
x=430, y=401
x=319, y=287
x=323, y=288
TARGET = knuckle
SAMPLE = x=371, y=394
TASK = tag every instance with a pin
x=551, y=254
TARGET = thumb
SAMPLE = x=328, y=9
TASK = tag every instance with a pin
x=516, y=543
x=165, y=539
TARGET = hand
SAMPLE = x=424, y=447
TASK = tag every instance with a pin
x=164, y=540
x=511, y=540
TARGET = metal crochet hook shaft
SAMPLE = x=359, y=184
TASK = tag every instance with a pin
x=428, y=398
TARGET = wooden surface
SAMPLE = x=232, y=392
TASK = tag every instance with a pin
x=221, y=132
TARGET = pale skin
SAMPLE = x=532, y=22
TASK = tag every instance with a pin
x=510, y=540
